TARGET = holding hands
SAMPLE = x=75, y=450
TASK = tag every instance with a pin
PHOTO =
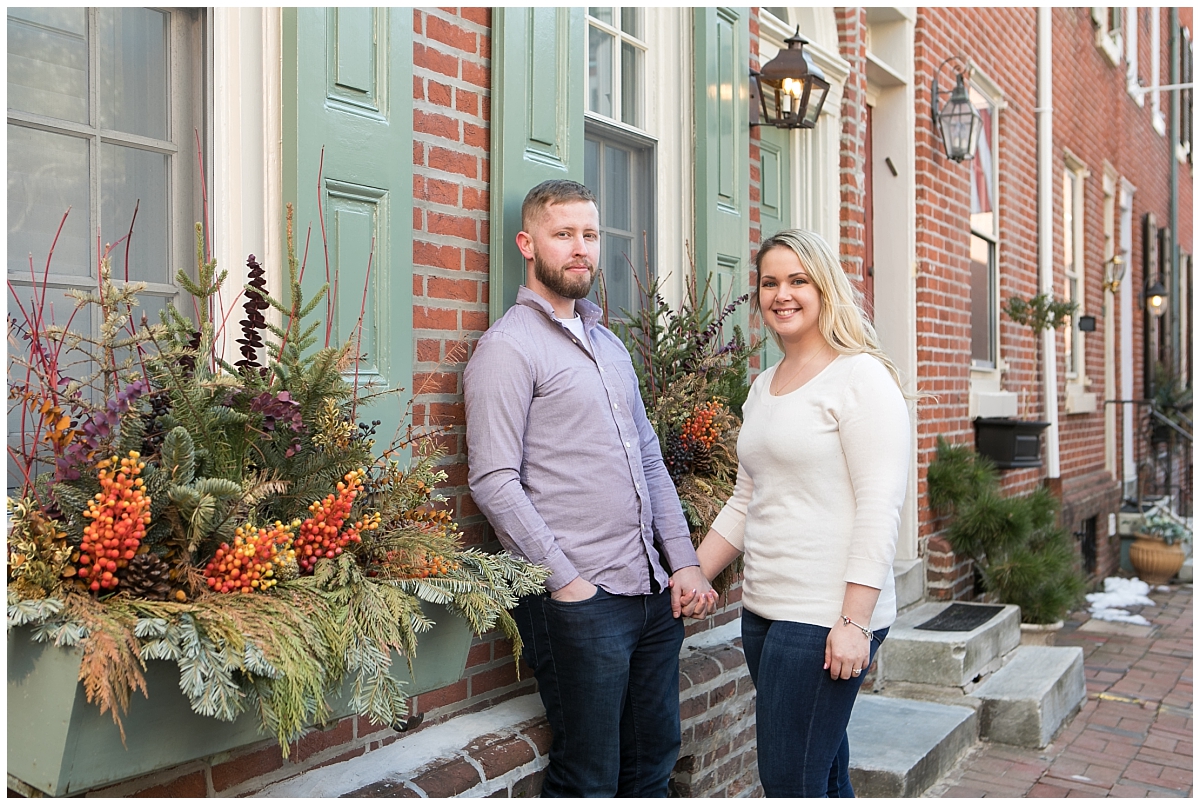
x=691, y=594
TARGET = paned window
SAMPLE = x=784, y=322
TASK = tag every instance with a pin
x=1109, y=22
x=619, y=169
x=1073, y=352
x=616, y=63
x=984, y=234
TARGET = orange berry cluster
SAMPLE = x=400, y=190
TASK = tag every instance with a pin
x=119, y=513
x=321, y=536
x=251, y=563
x=409, y=566
x=699, y=428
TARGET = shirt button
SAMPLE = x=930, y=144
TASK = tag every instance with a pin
x=627, y=444
x=615, y=406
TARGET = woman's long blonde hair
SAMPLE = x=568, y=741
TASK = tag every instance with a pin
x=842, y=321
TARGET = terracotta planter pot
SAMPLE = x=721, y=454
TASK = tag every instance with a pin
x=1040, y=634
x=1155, y=561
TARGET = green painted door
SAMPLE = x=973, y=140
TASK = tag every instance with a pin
x=775, y=211
x=537, y=124
x=347, y=89
x=722, y=128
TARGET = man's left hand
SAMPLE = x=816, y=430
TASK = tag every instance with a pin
x=691, y=594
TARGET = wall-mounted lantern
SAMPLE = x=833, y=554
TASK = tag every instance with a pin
x=790, y=90
x=1156, y=299
x=1114, y=272
x=957, y=121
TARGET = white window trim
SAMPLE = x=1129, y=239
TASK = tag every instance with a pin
x=621, y=38
x=990, y=90
x=1077, y=167
x=1110, y=42
x=1157, y=118
x=1132, y=84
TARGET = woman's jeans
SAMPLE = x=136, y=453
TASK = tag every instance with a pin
x=608, y=673
x=802, y=714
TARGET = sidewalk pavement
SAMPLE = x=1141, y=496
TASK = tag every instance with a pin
x=1133, y=737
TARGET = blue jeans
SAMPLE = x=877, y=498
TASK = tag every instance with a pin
x=608, y=673
x=801, y=713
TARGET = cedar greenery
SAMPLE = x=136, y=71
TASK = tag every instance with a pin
x=228, y=446
x=1021, y=553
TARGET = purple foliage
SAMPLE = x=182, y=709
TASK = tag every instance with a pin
x=280, y=410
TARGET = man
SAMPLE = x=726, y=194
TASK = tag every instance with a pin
x=565, y=465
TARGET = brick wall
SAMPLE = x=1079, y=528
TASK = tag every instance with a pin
x=852, y=155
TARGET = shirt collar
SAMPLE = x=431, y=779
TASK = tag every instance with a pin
x=586, y=309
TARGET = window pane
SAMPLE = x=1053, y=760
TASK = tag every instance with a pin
x=1069, y=220
x=591, y=166
x=605, y=15
x=129, y=176
x=620, y=261
x=617, y=201
x=133, y=71
x=600, y=70
x=47, y=173
x=631, y=22
x=983, y=191
x=631, y=84
x=982, y=303
x=47, y=62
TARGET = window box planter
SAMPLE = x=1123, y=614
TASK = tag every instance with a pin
x=1010, y=443
x=60, y=744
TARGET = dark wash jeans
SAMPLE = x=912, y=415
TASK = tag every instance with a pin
x=801, y=713
x=608, y=673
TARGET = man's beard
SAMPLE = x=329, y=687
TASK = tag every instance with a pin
x=560, y=282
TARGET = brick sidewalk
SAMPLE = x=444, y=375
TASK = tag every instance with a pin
x=1133, y=737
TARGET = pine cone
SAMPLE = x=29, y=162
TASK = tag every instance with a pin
x=146, y=577
x=287, y=569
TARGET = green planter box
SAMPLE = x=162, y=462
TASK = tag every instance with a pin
x=60, y=744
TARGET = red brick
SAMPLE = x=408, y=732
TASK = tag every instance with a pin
x=434, y=319
x=429, y=350
x=240, y=769
x=432, y=59
x=463, y=290
x=435, y=124
x=476, y=320
x=430, y=254
x=453, y=162
x=502, y=756
x=540, y=735
x=477, y=136
x=474, y=74
x=473, y=199
x=319, y=740
x=443, y=696
x=436, y=383
x=466, y=101
x=456, y=225
x=448, y=779
x=440, y=94
x=473, y=260
x=453, y=35
x=495, y=678
x=478, y=655
x=189, y=785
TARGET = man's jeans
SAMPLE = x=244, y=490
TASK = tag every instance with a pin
x=801, y=713
x=608, y=673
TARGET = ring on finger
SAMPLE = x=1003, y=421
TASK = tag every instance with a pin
x=856, y=671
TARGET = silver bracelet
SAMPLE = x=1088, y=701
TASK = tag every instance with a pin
x=866, y=632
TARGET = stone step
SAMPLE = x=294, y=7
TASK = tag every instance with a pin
x=900, y=747
x=1032, y=696
x=910, y=582
x=950, y=659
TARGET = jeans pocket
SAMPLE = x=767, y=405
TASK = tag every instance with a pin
x=554, y=602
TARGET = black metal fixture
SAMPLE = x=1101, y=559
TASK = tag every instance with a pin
x=957, y=121
x=1156, y=299
x=790, y=90
x=1087, y=324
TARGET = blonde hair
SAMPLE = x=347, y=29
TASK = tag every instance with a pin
x=842, y=321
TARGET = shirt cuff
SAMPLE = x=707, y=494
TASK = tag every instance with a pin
x=731, y=525
x=867, y=572
x=562, y=572
x=679, y=554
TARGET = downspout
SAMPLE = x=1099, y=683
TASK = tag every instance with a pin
x=1045, y=184
x=1175, y=108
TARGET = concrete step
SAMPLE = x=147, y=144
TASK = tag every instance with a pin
x=910, y=582
x=950, y=659
x=1032, y=696
x=900, y=747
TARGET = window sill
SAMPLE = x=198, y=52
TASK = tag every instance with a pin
x=992, y=404
x=1110, y=46
x=1078, y=400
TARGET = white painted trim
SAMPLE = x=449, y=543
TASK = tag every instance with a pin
x=1125, y=236
x=1110, y=337
x=1046, y=186
x=1131, y=57
x=1158, y=119
x=245, y=201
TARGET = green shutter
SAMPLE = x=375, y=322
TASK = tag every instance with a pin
x=347, y=87
x=537, y=124
x=775, y=210
x=722, y=72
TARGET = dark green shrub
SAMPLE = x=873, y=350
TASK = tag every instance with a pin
x=1022, y=555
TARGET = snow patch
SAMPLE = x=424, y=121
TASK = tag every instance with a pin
x=1119, y=593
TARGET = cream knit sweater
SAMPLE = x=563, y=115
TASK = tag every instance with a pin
x=822, y=474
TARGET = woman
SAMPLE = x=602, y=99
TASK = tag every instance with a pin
x=823, y=465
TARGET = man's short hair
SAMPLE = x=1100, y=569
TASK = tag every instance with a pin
x=552, y=191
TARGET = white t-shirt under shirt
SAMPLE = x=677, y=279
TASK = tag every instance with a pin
x=575, y=325
x=822, y=475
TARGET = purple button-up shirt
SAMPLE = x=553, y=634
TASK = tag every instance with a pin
x=562, y=458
